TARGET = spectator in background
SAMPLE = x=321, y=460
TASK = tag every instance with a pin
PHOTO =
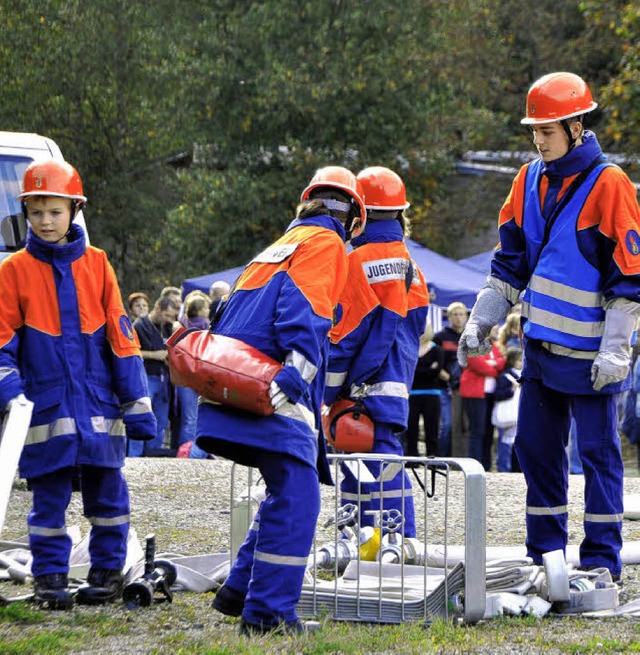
x=138, y=304
x=217, y=291
x=450, y=373
x=196, y=315
x=507, y=385
x=478, y=377
x=153, y=331
x=424, y=399
x=172, y=292
x=509, y=332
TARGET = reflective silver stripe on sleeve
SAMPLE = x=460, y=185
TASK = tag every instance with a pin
x=255, y=526
x=547, y=511
x=139, y=406
x=297, y=412
x=306, y=368
x=103, y=521
x=288, y=560
x=47, y=532
x=603, y=518
x=112, y=426
x=563, y=324
x=398, y=389
x=335, y=379
x=565, y=292
x=42, y=433
x=8, y=371
x=503, y=288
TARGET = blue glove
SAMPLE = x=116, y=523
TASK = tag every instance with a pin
x=139, y=420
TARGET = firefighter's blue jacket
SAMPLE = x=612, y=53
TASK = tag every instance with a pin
x=283, y=304
x=67, y=344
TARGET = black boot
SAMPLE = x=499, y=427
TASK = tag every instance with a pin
x=229, y=601
x=51, y=592
x=102, y=586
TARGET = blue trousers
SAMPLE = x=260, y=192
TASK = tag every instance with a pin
x=541, y=442
x=446, y=423
x=273, y=558
x=105, y=499
x=393, y=494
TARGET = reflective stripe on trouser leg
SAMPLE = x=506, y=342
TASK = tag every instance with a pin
x=106, y=505
x=240, y=573
x=48, y=539
x=600, y=452
x=541, y=439
x=288, y=518
x=392, y=494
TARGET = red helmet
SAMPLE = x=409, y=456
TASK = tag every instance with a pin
x=349, y=426
x=383, y=189
x=557, y=96
x=52, y=177
x=338, y=177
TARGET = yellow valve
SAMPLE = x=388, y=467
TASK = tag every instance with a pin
x=369, y=543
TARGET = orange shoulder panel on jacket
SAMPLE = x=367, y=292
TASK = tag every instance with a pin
x=315, y=259
x=513, y=206
x=613, y=205
x=37, y=296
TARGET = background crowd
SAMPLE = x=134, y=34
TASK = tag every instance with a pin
x=175, y=408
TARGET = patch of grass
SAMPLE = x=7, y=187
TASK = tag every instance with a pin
x=20, y=613
x=51, y=642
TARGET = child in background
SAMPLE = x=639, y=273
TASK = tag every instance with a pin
x=506, y=386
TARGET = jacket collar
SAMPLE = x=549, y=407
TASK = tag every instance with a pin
x=50, y=253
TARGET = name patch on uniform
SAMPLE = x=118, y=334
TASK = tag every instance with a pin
x=126, y=327
x=275, y=254
x=633, y=242
x=383, y=270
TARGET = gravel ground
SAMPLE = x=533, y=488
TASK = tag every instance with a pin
x=186, y=504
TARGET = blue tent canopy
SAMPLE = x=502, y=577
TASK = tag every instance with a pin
x=451, y=280
x=480, y=262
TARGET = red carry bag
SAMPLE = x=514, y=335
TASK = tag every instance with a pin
x=222, y=369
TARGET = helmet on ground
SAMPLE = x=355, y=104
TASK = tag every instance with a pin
x=52, y=177
x=383, y=189
x=338, y=177
x=557, y=96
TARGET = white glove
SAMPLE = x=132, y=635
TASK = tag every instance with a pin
x=609, y=368
x=490, y=308
x=277, y=395
x=612, y=363
x=20, y=399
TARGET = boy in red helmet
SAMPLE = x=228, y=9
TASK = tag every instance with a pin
x=67, y=344
x=569, y=234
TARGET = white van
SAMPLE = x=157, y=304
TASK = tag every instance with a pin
x=17, y=151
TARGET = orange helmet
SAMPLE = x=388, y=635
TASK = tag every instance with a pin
x=52, y=177
x=557, y=96
x=349, y=427
x=338, y=177
x=383, y=189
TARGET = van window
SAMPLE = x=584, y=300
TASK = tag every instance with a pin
x=13, y=227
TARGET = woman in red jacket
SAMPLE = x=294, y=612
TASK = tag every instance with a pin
x=478, y=379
